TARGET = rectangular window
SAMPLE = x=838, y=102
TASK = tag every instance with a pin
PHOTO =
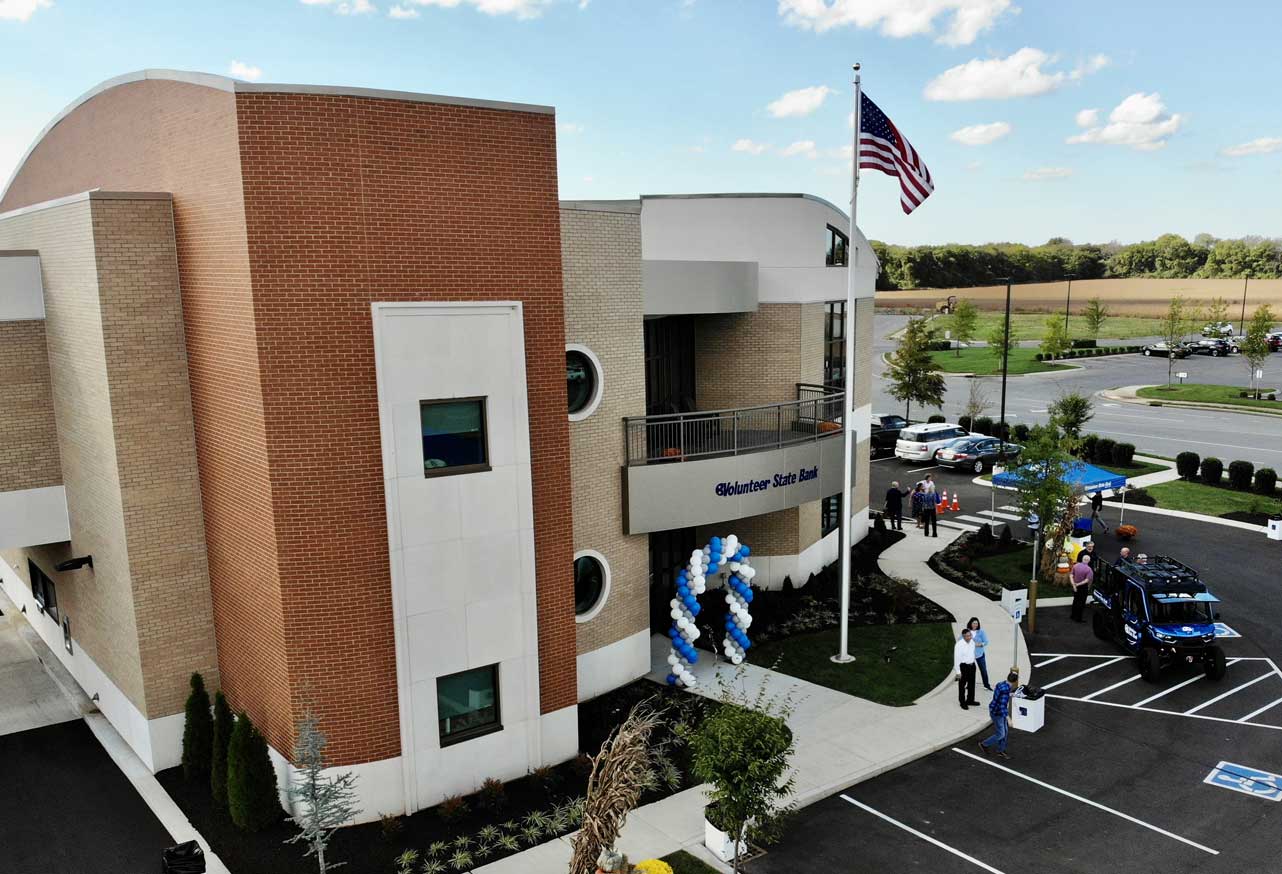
x=838, y=248
x=454, y=436
x=467, y=704
x=66, y=633
x=830, y=514
x=43, y=591
x=835, y=344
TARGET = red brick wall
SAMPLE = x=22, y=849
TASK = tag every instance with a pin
x=159, y=135
x=353, y=200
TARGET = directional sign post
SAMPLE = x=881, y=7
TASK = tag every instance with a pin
x=1034, y=525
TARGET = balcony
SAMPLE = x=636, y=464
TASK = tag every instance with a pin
x=696, y=468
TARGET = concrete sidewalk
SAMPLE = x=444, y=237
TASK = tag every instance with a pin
x=841, y=739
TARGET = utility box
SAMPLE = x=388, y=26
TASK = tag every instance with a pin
x=1015, y=601
x=1275, y=528
x=1027, y=714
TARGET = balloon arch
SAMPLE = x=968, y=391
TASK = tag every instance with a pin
x=719, y=556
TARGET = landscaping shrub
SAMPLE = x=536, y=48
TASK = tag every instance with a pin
x=1266, y=480
x=983, y=425
x=940, y=345
x=1141, y=497
x=493, y=795
x=252, y=799
x=453, y=808
x=1099, y=352
x=1021, y=433
x=1104, y=450
x=1244, y=394
x=1212, y=470
x=224, y=723
x=1124, y=455
x=1001, y=430
x=1084, y=343
x=935, y=418
x=964, y=421
x=984, y=540
x=1240, y=474
x=1006, y=538
x=1087, y=450
x=1186, y=464
x=198, y=732
x=1040, y=356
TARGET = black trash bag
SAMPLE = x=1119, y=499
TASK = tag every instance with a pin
x=1032, y=693
x=185, y=858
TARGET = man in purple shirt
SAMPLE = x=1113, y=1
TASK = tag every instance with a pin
x=1081, y=577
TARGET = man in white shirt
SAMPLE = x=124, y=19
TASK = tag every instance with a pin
x=964, y=668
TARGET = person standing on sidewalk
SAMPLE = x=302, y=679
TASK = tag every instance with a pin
x=895, y=506
x=1088, y=555
x=980, y=638
x=929, y=517
x=918, y=502
x=964, y=668
x=1097, y=504
x=1081, y=577
x=999, y=713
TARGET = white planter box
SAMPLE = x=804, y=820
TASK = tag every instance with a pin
x=719, y=842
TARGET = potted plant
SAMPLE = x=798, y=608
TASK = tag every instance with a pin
x=1126, y=532
x=716, y=836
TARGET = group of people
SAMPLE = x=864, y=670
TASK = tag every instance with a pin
x=924, y=500
x=969, y=657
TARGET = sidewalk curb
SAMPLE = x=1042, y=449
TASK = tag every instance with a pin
x=1115, y=394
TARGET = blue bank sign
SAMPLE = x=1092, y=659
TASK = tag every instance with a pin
x=778, y=481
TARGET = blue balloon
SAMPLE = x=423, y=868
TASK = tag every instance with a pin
x=695, y=609
x=747, y=596
x=715, y=543
x=745, y=550
x=672, y=679
x=694, y=657
x=673, y=633
x=747, y=644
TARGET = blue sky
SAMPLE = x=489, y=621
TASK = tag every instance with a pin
x=652, y=96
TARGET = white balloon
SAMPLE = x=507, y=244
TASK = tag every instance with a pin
x=734, y=567
x=707, y=550
x=673, y=604
x=672, y=659
x=675, y=613
x=736, y=659
x=747, y=619
x=729, y=599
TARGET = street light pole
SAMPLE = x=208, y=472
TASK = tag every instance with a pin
x=1242, y=325
x=1001, y=429
x=1067, y=298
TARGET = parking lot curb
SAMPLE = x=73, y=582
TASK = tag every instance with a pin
x=1121, y=395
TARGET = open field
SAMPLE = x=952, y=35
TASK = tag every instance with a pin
x=1124, y=297
x=1209, y=394
x=980, y=360
x=1032, y=326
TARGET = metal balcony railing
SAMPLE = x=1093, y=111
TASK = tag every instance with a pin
x=687, y=436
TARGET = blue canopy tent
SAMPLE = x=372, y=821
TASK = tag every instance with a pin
x=1087, y=477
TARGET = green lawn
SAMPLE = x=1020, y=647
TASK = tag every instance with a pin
x=922, y=660
x=1207, y=394
x=1032, y=326
x=1012, y=570
x=1209, y=500
x=683, y=863
x=980, y=360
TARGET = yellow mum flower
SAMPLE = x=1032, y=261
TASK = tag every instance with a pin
x=653, y=866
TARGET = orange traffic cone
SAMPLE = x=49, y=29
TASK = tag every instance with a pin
x=943, y=502
x=956, y=506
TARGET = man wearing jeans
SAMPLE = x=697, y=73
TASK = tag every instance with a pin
x=999, y=713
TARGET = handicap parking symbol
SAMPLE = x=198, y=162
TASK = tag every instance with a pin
x=1222, y=630
x=1240, y=778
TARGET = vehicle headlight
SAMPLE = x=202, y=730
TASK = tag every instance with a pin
x=1168, y=638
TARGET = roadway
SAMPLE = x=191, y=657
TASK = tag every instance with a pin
x=1160, y=430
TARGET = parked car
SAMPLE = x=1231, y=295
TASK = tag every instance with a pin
x=1218, y=329
x=921, y=442
x=976, y=453
x=885, y=431
x=1215, y=348
x=1160, y=612
x=1160, y=348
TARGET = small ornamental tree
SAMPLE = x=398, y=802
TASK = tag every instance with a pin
x=999, y=343
x=965, y=321
x=1255, y=346
x=976, y=402
x=1055, y=340
x=198, y=731
x=1095, y=314
x=224, y=722
x=321, y=803
x=1069, y=414
x=1217, y=311
x=742, y=752
x=1174, y=326
x=252, y=798
x=912, y=373
x=1044, y=489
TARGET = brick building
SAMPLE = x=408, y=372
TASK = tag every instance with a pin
x=289, y=365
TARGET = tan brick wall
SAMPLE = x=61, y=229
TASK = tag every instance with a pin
x=745, y=359
x=155, y=446
x=863, y=351
x=601, y=265
x=28, y=435
x=100, y=601
x=811, y=360
x=768, y=534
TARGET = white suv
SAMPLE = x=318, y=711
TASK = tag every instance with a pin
x=921, y=442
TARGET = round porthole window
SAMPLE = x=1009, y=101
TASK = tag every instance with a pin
x=591, y=584
x=582, y=382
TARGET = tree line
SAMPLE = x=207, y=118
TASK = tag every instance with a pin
x=1170, y=256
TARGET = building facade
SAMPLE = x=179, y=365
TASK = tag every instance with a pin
x=283, y=369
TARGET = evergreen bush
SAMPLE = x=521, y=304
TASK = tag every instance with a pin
x=935, y=418
x=965, y=422
x=983, y=425
x=1104, y=450
x=1124, y=455
x=1266, y=480
x=1021, y=433
x=1186, y=464
x=224, y=722
x=1040, y=356
x=1212, y=470
x=1006, y=538
x=1086, y=451
x=252, y=798
x=198, y=731
x=1240, y=474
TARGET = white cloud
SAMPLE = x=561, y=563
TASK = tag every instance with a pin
x=805, y=148
x=974, y=166
x=569, y=127
x=1261, y=146
x=241, y=70
x=1020, y=75
x=1140, y=121
x=981, y=134
x=21, y=10
x=402, y=12
x=801, y=102
x=519, y=8
x=749, y=146
x=588, y=179
x=965, y=19
x=1048, y=173
x=345, y=7
x=1093, y=64
x=1087, y=118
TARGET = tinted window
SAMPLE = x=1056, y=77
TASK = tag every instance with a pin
x=580, y=380
x=42, y=589
x=838, y=243
x=467, y=704
x=454, y=438
x=589, y=583
x=893, y=422
x=1134, y=601
x=911, y=435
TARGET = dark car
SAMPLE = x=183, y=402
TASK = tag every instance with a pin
x=1166, y=351
x=1214, y=348
x=885, y=431
x=976, y=453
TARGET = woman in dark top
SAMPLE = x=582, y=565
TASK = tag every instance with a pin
x=895, y=506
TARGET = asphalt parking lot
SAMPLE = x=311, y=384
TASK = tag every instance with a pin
x=1126, y=775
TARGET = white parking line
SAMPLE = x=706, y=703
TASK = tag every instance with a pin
x=920, y=469
x=1074, y=655
x=1050, y=661
x=1112, y=687
x=1111, y=661
x=1188, y=682
x=1011, y=508
x=960, y=526
x=925, y=837
x=1089, y=802
x=1009, y=517
x=1166, y=712
x=1261, y=710
x=1224, y=695
x=974, y=519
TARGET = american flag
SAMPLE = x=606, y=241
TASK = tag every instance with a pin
x=882, y=147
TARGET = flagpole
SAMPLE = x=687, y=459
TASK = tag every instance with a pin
x=848, y=393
